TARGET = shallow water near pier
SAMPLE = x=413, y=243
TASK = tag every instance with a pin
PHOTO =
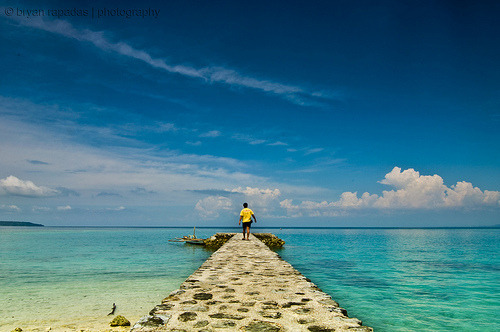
x=391, y=279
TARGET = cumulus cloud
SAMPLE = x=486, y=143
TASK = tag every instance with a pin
x=411, y=191
x=11, y=185
x=429, y=191
x=210, y=207
x=262, y=199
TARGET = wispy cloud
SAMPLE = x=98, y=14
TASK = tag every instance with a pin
x=278, y=143
x=211, y=133
x=37, y=162
x=249, y=139
x=118, y=208
x=107, y=194
x=142, y=191
x=314, y=150
x=10, y=208
x=214, y=74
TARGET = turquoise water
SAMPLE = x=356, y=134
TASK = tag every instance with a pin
x=391, y=279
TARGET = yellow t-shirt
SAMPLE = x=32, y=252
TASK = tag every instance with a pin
x=246, y=213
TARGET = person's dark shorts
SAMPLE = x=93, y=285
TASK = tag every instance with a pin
x=246, y=224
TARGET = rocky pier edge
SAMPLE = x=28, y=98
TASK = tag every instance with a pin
x=219, y=239
x=245, y=286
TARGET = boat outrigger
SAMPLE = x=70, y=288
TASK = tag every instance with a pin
x=191, y=239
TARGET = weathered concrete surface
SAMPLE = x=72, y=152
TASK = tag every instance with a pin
x=244, y=286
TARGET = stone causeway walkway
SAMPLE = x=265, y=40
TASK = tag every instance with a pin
x=244, y=286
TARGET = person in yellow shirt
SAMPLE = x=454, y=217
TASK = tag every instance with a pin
x=246, y=217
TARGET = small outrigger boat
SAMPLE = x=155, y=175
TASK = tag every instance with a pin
x=191, y=239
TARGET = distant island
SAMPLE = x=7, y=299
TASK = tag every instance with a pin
x=19, y=223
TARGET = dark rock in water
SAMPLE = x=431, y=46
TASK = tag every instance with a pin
x=120, y=321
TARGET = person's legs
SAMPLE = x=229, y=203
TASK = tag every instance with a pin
x=243, y=231
x=248, y=232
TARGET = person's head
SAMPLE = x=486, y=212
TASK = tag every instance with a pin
x=245, y=205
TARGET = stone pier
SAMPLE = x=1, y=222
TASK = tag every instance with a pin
x=244, y=286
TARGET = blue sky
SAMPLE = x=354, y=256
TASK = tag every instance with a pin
x=324, y=113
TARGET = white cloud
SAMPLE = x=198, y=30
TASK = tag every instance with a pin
x=211, y=206
x=11, y=208
x=261, y=199
x=412, y=191
x=257, y=142
x=311, y=151
x=14, y=186
x=278, y=143
x=261, y=194
x=64, y=208
x=425, y=191
x=118, y=208
x=212, y=133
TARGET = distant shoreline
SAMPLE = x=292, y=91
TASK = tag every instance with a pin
x=271, y=227
x=20, y=223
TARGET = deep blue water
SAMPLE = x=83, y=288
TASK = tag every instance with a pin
x=391, y=279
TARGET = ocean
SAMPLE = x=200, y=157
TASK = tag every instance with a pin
x=67, y=279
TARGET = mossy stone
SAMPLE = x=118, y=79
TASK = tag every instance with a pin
x=120, y=321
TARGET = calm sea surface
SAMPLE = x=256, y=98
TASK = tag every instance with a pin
x=391, y=279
